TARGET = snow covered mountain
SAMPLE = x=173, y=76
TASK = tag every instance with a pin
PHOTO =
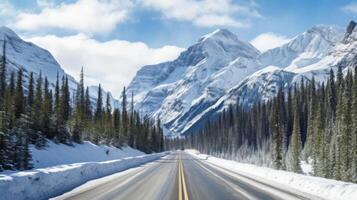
x=304, y=49
x=214, y=72
x=180, y=89
x=31, y=58
x=264, y=84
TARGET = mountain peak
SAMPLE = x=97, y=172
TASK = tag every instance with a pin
x=219, y=34
x=5, y=31
x=330, y=33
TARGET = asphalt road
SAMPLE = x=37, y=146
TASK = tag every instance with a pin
x=180, y=176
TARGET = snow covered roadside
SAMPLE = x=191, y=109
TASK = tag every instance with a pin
x=325, y=188
x=59, y=154
x=52, y=181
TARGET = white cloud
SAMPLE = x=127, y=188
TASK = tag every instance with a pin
x=350, y=8
x=7, y=9
x=89, y=16
x=266, y=41
x=112, y=63
x=205, y=13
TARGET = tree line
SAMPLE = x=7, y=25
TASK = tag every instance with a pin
x=311, y=122
x=37, y=112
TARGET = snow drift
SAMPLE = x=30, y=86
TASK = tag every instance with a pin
x=59, y=154
x=49, y=182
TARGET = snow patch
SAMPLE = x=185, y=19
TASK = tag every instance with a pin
x=59, y=154
x=53, y=181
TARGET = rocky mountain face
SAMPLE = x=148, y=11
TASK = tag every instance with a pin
x=31, y=58
x=219, y=69
x=178, y=90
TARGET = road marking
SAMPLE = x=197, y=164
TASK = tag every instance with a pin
x=182, y=182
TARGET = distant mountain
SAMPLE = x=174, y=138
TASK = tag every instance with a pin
x=219, y=69
x=304, y=49
x=32, y=58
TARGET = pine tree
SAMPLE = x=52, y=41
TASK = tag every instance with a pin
x=332, y=95
x=21, y=154
x=19, y=99
x=57, y=95
x=318, y=131
x=5, y=162
x=132, y=122
x=8, y=102
x=37, y=104
x=79, y=115
x=277, y=129
x=339, y=138
x=12, y=84
x=31, y=93
x=3, y=74
x=124, y=114
x=354, y=129
x=311, y=118
x=99, y=108
x=98, y=116
x=295, y=143
x=290, y=116
x=108, y=120
x=56, y=110
x=46, y=111
x=116, y=126
x=65, y=100
x=62, y=112
x=161, y=135
x=88, y=106
x=346, y=129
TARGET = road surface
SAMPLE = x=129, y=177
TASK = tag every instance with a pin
x=179, y=176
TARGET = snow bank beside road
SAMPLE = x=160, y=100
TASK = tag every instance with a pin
x=49, y=182
x=59, y=154
x=325, y=188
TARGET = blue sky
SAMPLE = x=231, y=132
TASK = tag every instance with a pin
x=123, y=35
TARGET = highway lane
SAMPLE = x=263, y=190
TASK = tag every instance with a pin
x=180, y=176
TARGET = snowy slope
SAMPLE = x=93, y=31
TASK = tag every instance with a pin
x=32, y=58
x=49, y=182
x=260, y=86
x=305, y=49
x=177, y=90
x=344, y=54
x=59, y=154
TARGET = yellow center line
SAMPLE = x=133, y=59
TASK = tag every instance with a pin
x=184, y=182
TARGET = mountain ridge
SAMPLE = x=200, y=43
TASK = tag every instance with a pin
x=307, y=49
x=32, y=58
